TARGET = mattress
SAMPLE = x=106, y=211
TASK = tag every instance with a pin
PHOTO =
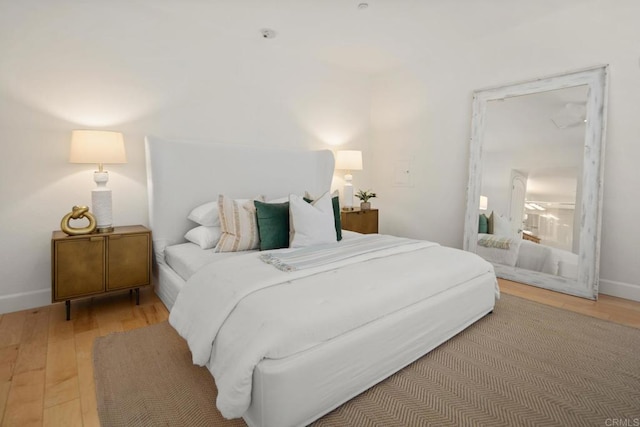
x=180, y=261
x=187, y=258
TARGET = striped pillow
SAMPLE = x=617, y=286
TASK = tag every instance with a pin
x=239, y=225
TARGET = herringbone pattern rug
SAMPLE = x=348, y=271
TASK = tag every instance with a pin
x=525, y=365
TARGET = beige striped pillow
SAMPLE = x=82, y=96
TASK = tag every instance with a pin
x=239, y=225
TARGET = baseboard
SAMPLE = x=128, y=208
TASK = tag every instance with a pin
x=620, y=289
x=25, y=300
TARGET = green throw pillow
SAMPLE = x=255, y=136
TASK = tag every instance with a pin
x=483, y=226
x=336, y=215
x=273, y=224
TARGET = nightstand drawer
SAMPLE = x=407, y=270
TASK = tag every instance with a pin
x=77, y=267
x=129, y=260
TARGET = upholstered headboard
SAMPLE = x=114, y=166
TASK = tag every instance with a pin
x=184, y=174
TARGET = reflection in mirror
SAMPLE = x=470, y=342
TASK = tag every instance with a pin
x=535, y=180
x=532, y=158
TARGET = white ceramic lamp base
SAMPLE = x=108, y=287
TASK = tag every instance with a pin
x=101, y=203
x=347, y=195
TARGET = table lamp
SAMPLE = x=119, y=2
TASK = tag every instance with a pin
x=349, y=160
x=100, y=147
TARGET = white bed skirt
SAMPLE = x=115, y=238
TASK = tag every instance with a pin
x=167, y=284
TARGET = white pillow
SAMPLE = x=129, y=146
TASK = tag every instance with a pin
x=311, y=223
x=206, y=214
x=205, y=237
x=502, y=226
x=239, y=224
x=279, y=200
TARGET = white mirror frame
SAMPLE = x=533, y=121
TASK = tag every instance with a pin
x=595, y=78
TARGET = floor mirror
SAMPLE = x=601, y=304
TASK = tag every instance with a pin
x=534, y=196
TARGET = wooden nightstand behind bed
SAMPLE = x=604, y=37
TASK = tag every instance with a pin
x=365, y=222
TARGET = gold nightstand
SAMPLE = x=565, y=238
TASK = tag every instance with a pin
x=94, y=264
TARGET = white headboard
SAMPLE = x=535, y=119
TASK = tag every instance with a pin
x=182, y=175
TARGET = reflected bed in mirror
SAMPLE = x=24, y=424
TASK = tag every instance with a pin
x=533, y=206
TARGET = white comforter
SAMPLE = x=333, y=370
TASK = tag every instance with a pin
x=237, y=312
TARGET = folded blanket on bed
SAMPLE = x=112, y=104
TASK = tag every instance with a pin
x=495, y=242
x=314, y=256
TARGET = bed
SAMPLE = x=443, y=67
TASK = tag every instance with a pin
x=317, y=364
x=521, y=253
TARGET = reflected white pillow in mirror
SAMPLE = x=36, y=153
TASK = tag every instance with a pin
x=502, y=226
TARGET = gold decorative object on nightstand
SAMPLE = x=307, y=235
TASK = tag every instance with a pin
x=360, y=221
x=78, y=212
x=88, y=265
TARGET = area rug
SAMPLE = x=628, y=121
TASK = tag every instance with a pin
x=526, y=364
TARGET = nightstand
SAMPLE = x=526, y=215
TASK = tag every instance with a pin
x=94, y=264
x=365, y=222
x=530, y=237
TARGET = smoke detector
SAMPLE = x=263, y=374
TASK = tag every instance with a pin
x=268, y=33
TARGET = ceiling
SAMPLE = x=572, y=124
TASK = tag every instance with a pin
x=385, y=35
x=381, y=37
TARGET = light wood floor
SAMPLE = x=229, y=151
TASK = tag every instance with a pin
x=46, y=365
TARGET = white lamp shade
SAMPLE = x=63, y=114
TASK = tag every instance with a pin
x=484, y=203
x=97, y=146
x=350, y=160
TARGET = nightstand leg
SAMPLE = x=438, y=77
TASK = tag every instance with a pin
x=67, y=303
x=137, y=296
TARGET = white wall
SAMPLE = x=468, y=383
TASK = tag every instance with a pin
x=108, y=65
x=424, y=111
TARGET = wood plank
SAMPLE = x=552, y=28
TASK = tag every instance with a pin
x=33, y=348
x=65, y=414
x=24, y=404
x=4, y=394
x=84, y=355
x=60, y=328
x=8, y=357
x=139, y=319
x=61, y=374
x=614, y=309
x=11, y=328
x=533, y=295
x=83, y=316
x=163, y=313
